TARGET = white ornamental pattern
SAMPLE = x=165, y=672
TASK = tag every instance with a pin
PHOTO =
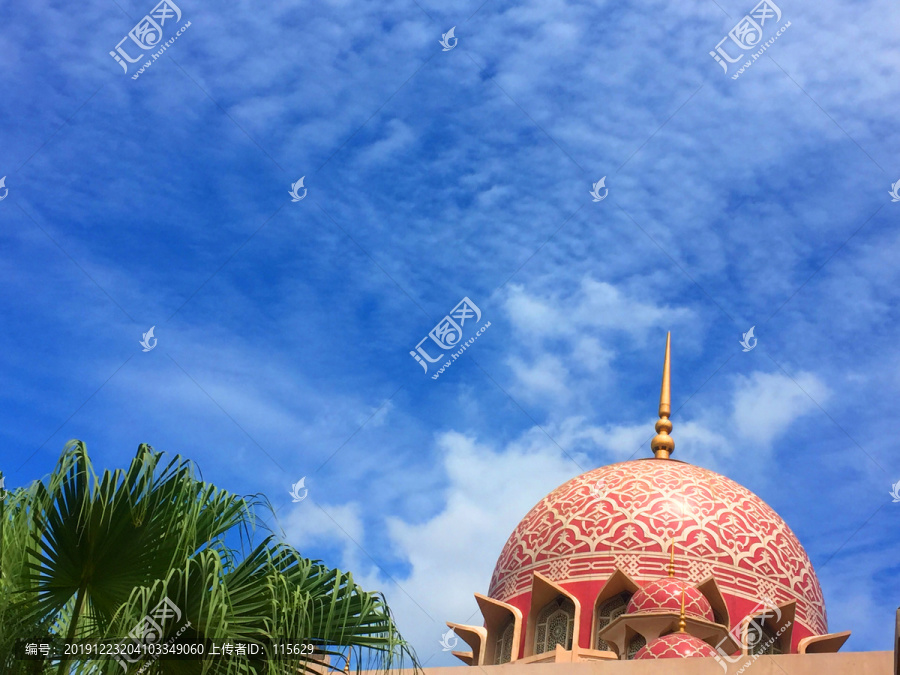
x=720, y=528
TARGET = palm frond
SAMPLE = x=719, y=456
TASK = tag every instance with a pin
x=88, y=555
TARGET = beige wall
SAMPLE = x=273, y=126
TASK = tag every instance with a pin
x=850, y=663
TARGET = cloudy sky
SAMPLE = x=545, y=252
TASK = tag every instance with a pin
x=161, y=198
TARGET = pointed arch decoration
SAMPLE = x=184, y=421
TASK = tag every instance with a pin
x=611, y=602
x=543, y=593
x=713, y=594
x=475, y=637
x=465, y=657
x=770, y=632
x=504, y=644
x=503, y=623
x=823, y=644
x=555, y=626
x=635, y=642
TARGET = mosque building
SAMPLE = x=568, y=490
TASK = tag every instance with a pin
x=653, y=559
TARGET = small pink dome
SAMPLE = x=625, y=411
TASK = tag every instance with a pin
x=664, y=595
x=675, y=646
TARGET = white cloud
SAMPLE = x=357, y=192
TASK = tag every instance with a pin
x=694, y=439
x=566, y=343
x=591, y=354
x=700, y=443
x=380, y=415
x=766, y=404
x=540, y=378
x=452, y=554
x=308, y=524
x=399, y=137
x=761, y=407
x=596, y=305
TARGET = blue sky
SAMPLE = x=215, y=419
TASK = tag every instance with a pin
x=284, y=328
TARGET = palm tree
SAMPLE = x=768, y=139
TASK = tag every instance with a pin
x=88, y=557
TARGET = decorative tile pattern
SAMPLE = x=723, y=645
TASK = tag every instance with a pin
x=664, y=595
x=558, y=570
x=675, y=646
x=720, y=528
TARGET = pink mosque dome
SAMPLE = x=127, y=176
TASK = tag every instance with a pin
x=666, y=595
x=624, y=516
x=599, y=547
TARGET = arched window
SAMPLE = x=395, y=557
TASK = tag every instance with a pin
x=555, y=625
x=607, y=613
x=763, y=639
x=503, y=648
x=634, y=645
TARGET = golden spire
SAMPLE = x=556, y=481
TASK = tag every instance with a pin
x=672, y=559
x=662, y=444
x=347, y=662
x=682, y=624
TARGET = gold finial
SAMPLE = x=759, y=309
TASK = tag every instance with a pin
x=347, y=662
x=682, y=624
x=662, y=444
x=672, y=559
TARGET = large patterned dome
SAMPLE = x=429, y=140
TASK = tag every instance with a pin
x=626, y=515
